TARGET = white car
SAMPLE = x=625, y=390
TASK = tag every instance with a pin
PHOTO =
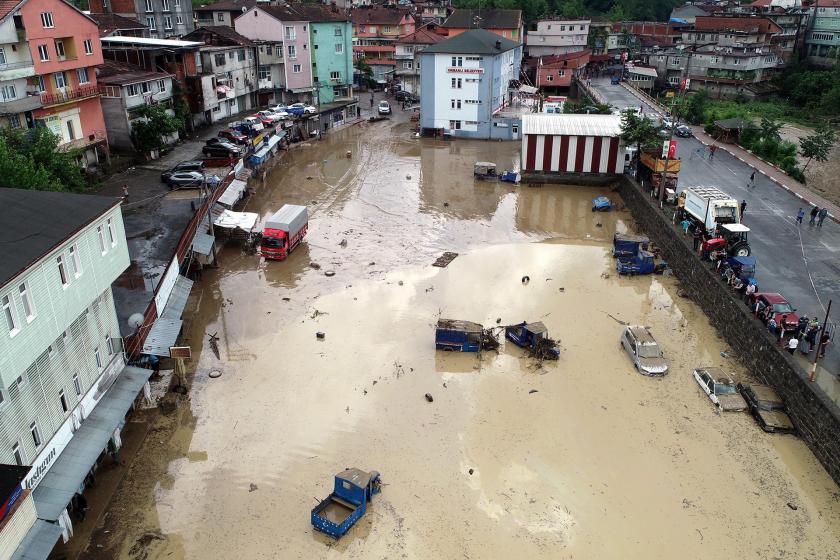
x=308, y=109
x=720, y=388
x=384, y=108
x=270, y=115
x=254, y=123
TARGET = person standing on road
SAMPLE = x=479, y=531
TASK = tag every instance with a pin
x=125, y=194
x=814, y=212
x=823, y=345
x=712, y=150
x=800, y=215
x=743, y=208
x=752, y=179
x=822, y=214
x=792, y=344
x=371, y=101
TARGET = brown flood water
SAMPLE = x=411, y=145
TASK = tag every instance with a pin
x=599, y=462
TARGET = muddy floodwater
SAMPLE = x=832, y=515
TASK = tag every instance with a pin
x=578, y=458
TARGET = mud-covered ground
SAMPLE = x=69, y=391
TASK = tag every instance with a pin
x=579, y=458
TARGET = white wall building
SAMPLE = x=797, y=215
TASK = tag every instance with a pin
x=557, y=37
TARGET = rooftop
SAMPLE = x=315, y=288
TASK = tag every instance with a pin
x=379, y=15
x=36, y=222
x=474, y=41
x=485, y=19
x=219, y=35
x=227, y=6
x=147, y=42
x=108, y=23
x=421, y=37
x=747, y=24
x=572, y=125
x=122, y=73
x=9, y=6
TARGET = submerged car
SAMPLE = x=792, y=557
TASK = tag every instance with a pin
x=767, y=407
x=384, y=108
x=721, y=389
x=195, y=165
x=644, y=351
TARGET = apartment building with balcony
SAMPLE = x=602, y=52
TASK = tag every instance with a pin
x=434, y=11
x=822, y=42
x=126, y=88
x=163, y=18
x=407, y=56
x=375, y=33
x=19, y=95
x=226, y=81
x=64, y=386
x=556, y=37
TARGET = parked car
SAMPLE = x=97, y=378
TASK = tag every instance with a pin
x=196, y=165
x=279, y=108
x=233, y=136
x=221, y=149
x=644, y=351
x=254, y=123
x=185, y=179
x=384, y=108
x=403, y=95
x=781, y=307
x=282, y=114
x=683, y=131
x=269, y=116
x=300, y=109
x=767, y=408
x=721, y=389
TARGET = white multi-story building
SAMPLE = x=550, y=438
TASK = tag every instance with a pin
x=557, y=37
x=64, y=386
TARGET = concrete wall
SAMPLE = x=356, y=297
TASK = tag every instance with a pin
x=116, y=122
x=817, y=418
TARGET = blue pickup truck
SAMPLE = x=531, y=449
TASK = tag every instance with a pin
x=534, y=338
x=354, y=488
x=454, y=335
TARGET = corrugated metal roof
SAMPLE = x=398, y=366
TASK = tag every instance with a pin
x=203, y=243
x=65, y=477
x=38, y=542
x=572, y=125
x=651, y=72
x=178, y=298
x=233, y=192
x=162, y=335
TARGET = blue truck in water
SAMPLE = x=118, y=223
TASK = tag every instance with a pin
x=534, y=338
x=454, y=335
x=354, y=488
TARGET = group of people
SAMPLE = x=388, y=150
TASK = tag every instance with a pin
x=818, y=216
x=804, y=337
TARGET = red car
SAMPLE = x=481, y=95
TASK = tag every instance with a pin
x=233, y=136
x=266, y=120
x=780, y=307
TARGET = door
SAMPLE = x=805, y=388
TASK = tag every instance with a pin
x=514, y=132
x=71, y=133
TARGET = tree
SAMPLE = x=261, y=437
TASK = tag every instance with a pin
x=639, y=130
x=365, y=73
x=30, y=159
x=817, y=146
x=616, y=13
x=695, y=109
x=180, y=106
x=152, y=126
x=770, y=130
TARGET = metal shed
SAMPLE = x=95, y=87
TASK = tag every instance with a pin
x=554, y=143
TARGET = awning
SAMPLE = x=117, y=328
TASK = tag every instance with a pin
x=177, y=298
x=68, y=472
x=262, y=152
x=273, y=141
x=233, y=192
x=203, y=243
x=162, y=336
x=224, y=218
x=38, y=542
x=527, y=89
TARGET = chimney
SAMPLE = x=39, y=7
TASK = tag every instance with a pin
x=498, y=45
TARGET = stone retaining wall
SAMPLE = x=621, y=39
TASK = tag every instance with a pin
x=817, y=418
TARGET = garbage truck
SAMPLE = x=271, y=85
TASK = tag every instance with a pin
x=284, y=231
x=709, y=207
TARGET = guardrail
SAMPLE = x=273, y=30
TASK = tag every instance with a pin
x=70, y=94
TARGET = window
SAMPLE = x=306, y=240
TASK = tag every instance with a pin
x=220, y=16
x=549, y=78
x=167, y=22
x=265, y=72
x=9, y=92
x=280, y=51
x=43, y=53
x=2, y=56
x=28, y=308
x=296, y=69
x=88, y=46
x=292, y=52
x=64, y=337
x=339, y=48
x=219, y=59
x=60, y=80
x=77, y=384
x=161, y=86
x=98, y=357
x=240, y=55
x=62, y=273
x=290, y=33
x=145, y=87
x=63, y=400
x=180, y=21
x=456, y=83
x=407, y=64
x=112, y=232
x=46, y=19
x=10, y=313
x=164, y=5
x=21, y=381
x=457, y=61
x=36, y=434
x=82, y=73
x=132, y=90
x=149, y=6
x=14, y=121
x=59, y=49
x=41, y=84
x=455, y=103
x=151, y=23
x=101, y=235
x=18, y=455
x=455, y=125
x=338, y=32
x=335, y=75
x=109, y=342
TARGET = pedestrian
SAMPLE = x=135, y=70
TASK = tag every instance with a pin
x=743, y=208
x=749, y=291
x=771, y=326
x=696, y=236
x=685, y=224
x=814, y=212
x=712, y=150
x=800, y=215
x=125, y=193
x=822, y=214
x=792, y=344
x=371, y=101
x=804, y=345
x=752, y=179
x=823, y=344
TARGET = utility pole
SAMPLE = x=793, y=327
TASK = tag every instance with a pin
x=674, y=119
x=813, y=375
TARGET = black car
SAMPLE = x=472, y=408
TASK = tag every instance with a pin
x=767, y=407
x=403, y=95
x=183, y=166
x=682, y=131
x=220, y=149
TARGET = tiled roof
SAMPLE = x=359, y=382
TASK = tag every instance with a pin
x=484, y=19
x=9, y=6
x=379, y=15
x=227, y=6
x=474, y=41
x=108, y=23
x=225, y=32
x=121, y=73
x=421, y=37
x=728, y=23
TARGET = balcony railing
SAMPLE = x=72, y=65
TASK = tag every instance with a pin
x=70, y=94
x=15, y=65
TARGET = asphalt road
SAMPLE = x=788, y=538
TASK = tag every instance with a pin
x=800, y=262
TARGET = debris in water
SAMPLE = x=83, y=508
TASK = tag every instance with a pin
x=315, y=265
x=444, y=260
x=444, y=385
x=343, y=243
x=532, y=391
x=562, y=289
x=408, y=176
x=329, y=273
x=724, y=354
x=605, y=275
x=599, y=224
x=252, y=487
x=471, y=471
x=286, y=299
x=526, y=279
x=792, y=506
x=619, y=321
x=498, y=320
x=446, y=205
x=400, y=283
x=214, y=373
x=214, y=344
x=320, y=335
x=371, y=263
x=429, y=397
x=309, y=177
x=316, y=313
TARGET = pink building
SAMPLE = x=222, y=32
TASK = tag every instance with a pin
x=65, y=48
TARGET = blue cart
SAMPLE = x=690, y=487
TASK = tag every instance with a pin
x=643, y=262
x=626, y=245
x=533, y=337
x=454, y=335
x=354, y=488
x=601, y=204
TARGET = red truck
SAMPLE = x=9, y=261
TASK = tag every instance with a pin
x=284, y=231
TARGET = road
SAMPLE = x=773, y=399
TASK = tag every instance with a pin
x=800, y=262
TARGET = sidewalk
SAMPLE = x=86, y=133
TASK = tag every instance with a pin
x=772, y=172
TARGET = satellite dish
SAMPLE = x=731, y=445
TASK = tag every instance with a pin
x=135, y=320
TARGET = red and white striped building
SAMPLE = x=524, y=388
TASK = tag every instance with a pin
x=572, y=144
